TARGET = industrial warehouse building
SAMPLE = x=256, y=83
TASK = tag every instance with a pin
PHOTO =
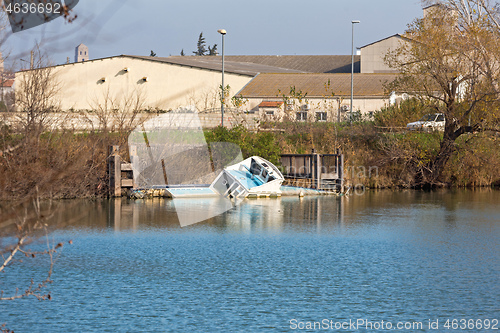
x=263, y=84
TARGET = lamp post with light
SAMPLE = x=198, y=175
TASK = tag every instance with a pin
x=223, y=33
x=352, y=66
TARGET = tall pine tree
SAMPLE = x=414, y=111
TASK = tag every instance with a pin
x=201, y=49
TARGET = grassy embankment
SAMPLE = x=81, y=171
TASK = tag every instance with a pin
x=69, y=165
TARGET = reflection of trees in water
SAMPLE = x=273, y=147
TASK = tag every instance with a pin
x=313, y=210
x=444, y=207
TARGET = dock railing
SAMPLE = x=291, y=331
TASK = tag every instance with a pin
x=318, y=171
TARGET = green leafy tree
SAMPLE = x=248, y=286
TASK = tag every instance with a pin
x=152, y=54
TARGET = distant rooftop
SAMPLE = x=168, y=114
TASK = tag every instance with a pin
x=7, y=83
x=215, y=63
x=316, y=85
x=305, y=63
x=252, y=65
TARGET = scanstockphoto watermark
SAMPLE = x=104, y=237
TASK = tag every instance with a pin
x=26, y=14
x=359, y=175
x=387, y=325
x=357, y=324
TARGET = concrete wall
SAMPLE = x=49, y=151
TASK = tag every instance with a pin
x=89, y=121
x=159, y=85
x=372, y=56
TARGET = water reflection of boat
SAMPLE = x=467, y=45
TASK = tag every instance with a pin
x=253, y=177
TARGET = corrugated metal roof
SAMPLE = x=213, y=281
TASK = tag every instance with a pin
x=215, y=63
x=316, y=85
x=252, y=65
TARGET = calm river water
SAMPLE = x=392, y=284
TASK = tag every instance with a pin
x=383, y=261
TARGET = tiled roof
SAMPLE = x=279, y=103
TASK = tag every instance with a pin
x=316, y=85
x=8, y=83
x=270, y=104
x=304, y=63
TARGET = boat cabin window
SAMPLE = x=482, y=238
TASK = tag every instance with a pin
x=255, y=168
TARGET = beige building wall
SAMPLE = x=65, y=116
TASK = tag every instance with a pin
x=86, y=85
x=372, y=55
x=366, y=106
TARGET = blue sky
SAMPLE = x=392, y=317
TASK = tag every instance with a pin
x=258, y=27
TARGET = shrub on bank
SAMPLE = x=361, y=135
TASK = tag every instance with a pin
x=59, y=164
x=252, y=144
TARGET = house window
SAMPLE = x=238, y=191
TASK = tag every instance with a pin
x=80, y=52
x=301, y=116
x=320, y=116
x=269, y=113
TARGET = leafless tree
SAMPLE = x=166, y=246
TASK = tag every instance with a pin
x=118, y=112
x=37, y=92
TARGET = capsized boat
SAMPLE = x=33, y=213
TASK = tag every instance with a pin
x=253, y=177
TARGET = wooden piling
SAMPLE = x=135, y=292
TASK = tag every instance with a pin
x=340, y=169
x=114, y=172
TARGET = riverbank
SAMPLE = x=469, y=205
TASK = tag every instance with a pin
x=374, y=158
x=379, y=159
x=67, y=164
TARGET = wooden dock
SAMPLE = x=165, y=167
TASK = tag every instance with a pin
x=120, y=173
x=317, y=171
x=314, y=171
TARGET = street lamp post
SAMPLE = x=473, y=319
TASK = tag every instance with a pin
x=223, y=33
x=352, y=67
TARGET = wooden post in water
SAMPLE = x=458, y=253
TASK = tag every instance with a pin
x=340, y=169
x=315, y=170
x=114, y=172
x=312, y=169
x=318, y=171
